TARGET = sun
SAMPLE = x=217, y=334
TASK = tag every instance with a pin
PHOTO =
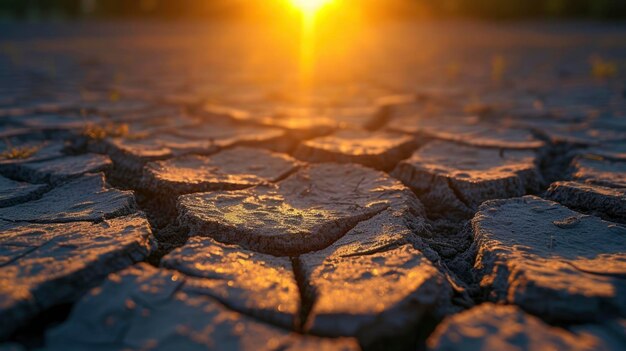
x=310, y=6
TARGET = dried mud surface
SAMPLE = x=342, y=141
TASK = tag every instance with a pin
x=198, y=201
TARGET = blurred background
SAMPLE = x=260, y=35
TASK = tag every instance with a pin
x=490, y=9
x=227, y=50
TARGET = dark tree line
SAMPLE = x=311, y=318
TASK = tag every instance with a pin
x=117, y=8
x=223, y=8
x=533, y=8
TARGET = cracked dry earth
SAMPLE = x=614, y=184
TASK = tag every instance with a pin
x=154, y=195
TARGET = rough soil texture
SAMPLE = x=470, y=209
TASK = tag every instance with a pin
x=501, y=327
x=373, y=149
x=550, y=260
x=450, y=177
x=43, y=265
x=307, y=211
x=145, y=307
x=257, y=284
x=607, y=173
x=177, y=186
x=609, y=203
x=610, y=151
x=465, y=130
x=232, y=169
x=369, y=256
x=131, y=154
x=13, y=192
x=60, y=169
x=84, y=199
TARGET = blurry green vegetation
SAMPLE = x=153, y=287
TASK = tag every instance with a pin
x=512, y=9
x=505, y=9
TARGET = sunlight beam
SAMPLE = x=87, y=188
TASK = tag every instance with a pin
x=309, y=10
x=309, y=7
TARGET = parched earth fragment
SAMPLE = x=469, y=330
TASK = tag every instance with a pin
x=106, y=106
x=609, y=151
x=297, y=122
x=16, y=153
x=551, y=261
x=505, y=327
x=231, y=169
x=84, y=199
x=420, y=122
x=15, y=132
x=18, y=108
x=56, y=122
x=307, y=211
x=223, y=134
x=608, y=203
x=144, y=124
x=152, y=118
x=409, y=107
x=252, y=283
x=599, y=171
x=455, y=179
x=380, y=150
x=44, y=265
x=495, y=137
x=13, y=192
x=373, y=283
x=611, y=121
x=358, y=117
x=131, y=154
x=467, y=130
x=580, y=134
x=57, y=170
x=177, y=99
x=320, y=117
x=144, y=307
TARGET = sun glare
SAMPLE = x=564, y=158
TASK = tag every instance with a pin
x=312, y=15
x=309, y=6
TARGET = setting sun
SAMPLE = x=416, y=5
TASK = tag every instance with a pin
x=310, y=6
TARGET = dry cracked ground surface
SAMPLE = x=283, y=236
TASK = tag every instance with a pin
x=159, y=190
